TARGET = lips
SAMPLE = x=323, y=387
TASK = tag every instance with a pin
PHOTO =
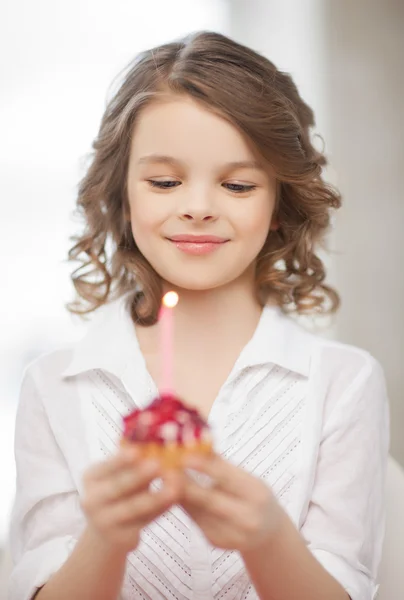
x=198, y=239
x=198, y=245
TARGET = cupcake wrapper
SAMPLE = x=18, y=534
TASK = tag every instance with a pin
x=171, y=455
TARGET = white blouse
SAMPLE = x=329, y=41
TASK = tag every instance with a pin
x=308, y=415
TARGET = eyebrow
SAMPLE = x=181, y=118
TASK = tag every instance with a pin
x=170, y=160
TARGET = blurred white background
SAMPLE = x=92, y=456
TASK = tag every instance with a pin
x=57, y=64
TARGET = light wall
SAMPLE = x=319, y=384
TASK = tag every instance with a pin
x=347, y=60
x=366, y=90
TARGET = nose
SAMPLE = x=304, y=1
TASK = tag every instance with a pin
x=197, y=206
x=197, y=216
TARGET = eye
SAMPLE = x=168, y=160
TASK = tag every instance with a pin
x=163, y=185
x=239, y=188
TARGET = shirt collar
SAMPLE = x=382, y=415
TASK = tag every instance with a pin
x=279, y=340
x=110, y=343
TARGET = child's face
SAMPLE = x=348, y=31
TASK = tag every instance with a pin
x=187, y=150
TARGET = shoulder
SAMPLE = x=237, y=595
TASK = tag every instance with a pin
x=47, y=369
x=345, y=361
x=326, y=354
x=291, y=343
x=334, y=366
x=342, y=356
x=41, y=393
x=352, y=382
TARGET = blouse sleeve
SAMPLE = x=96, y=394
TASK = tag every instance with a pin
x=344, y=527
x=46, y=518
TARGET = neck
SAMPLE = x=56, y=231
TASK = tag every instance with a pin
x=211, y=316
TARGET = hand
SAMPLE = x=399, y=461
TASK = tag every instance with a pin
x=117, y=501
x=238, y=512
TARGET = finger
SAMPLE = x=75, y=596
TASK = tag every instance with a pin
x=106, y=468
x=128, y=481
x=146, y=505
x=174, y=483
x=212, y=501
x=199, y=516
x=226, y=476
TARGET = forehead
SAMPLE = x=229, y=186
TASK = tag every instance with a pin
x=182, y=127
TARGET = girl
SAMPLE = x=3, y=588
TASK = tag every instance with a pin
x=204, y=180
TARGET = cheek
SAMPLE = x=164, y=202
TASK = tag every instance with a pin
x=256, y=221
x=147, y=214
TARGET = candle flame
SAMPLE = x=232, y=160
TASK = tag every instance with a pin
x=170, y=299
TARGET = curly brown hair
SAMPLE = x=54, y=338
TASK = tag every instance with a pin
x=265, y=105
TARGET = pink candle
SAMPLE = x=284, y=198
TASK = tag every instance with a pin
x=166, y=349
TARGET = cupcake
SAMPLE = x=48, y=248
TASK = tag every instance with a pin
x=168, y=430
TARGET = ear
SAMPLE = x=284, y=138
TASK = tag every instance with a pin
x=126, y=213
x=274, y=225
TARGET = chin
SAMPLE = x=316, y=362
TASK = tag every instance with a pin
x=197, y=284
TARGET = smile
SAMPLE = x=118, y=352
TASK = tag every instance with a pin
x=197, y=244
